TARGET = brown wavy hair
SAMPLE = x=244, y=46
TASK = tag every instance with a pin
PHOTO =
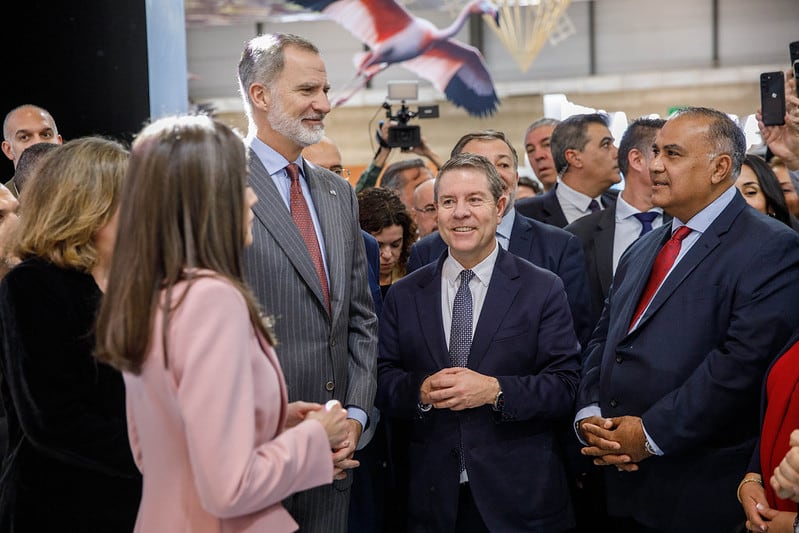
x=182, y=210
x=380, y=208
x=72, y=194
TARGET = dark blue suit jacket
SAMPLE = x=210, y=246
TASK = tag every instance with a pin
x=693, y=367
x=597, y=234
x=546, y=207
x=373, y=262
x=525, y=339
x=545, y=246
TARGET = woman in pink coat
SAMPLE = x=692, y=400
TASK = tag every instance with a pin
x=209, y=423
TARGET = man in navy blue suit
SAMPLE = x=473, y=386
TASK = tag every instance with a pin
x=670, y=392
x=585, y=160
x=486, y=384
x=543, y=245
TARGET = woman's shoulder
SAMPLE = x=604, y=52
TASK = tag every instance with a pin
x=207, y=288
x=41, y=275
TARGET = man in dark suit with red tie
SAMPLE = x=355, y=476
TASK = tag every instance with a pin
x=307, y=264
x=670, y=390
x=478, y=353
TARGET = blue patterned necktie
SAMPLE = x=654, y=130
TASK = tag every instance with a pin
x=460, y=334
x=646, y=220
x=593, y=206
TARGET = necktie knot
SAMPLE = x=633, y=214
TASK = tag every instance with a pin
x=466, y=276
x=293, y=172
x=593, y=206
x=681, y=233
x=646, y=220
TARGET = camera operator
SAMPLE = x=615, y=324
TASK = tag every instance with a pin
x=372, y=172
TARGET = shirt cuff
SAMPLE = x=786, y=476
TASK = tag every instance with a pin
x=651, y=442
x=589, y=410
x=356, y=413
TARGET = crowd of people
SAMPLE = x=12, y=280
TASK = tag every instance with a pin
x=206, y=331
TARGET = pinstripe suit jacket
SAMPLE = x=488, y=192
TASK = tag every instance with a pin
x=323, y=356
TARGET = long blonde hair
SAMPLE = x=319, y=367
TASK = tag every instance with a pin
x=182, y=210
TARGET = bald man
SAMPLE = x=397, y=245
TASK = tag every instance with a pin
x=25, y=126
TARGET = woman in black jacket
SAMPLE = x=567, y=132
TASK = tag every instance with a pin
x=68, y=465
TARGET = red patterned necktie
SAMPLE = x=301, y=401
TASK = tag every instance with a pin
x=302, y=218
x=663, y=263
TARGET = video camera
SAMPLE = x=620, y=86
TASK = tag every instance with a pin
x=402, y=135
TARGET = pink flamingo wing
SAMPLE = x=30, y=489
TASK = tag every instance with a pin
x=371, y=21
x=458, y=71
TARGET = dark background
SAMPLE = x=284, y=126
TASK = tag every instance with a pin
x=84, y=61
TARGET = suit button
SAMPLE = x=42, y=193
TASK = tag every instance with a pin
x=614, y=403
x=332, y=342
x=619, y=359
x=329, y=386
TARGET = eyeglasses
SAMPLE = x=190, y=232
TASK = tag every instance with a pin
x=341, y=171
x=428, y=210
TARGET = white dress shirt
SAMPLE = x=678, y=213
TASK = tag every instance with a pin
x=574, y=204
x=628, y=228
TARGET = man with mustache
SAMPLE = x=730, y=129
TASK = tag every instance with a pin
x=307, y=264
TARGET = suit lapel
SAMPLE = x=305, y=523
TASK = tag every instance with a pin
x=428, y=309
x=553, y=212
x=709, y=240
x=271, y=212
x=640, y=276
x=519, y=239
x=603, y=247
x=501, y=292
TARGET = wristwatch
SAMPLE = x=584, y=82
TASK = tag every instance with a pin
x=499, y=401
x=649, y=449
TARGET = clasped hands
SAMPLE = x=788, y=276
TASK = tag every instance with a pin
x=458, y=388
x=343, y=433
x=618, y=441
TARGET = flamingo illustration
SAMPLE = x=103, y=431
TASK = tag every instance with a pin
x=394, y=35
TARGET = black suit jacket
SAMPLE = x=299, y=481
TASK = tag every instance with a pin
x=544, y=246
x=597, y=233
x=546, y=207
x=69, y=464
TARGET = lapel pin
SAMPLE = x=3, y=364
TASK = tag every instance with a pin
x=333, y=192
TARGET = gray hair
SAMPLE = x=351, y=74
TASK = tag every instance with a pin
x=263, y=59
x=723, y=134
x=485, y=135
x=393, y=173
x=477, y=162
x=540, y=123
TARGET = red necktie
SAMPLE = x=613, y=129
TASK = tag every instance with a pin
x=302, y=218
x=663, y=263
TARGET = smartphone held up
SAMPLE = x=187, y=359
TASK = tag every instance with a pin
x=772, y=98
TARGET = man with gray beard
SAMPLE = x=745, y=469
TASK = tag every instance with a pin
x=307, y=263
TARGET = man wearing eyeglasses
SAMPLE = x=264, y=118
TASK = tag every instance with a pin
x=424, y=208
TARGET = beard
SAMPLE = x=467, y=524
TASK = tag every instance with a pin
x=292, y=128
